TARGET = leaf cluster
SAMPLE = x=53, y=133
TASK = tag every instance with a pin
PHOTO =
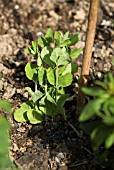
x=101, y=128
x=52, y=72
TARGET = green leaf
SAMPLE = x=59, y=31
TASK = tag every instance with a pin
x=74, y=53
x=39, y=61
x=19, y=115
x=74, y=39
x=26, y=105
x=35, y=47
x=49, y=35
x=64, y=57
x=66, y=36
x=65, y=40
x=57, y=37
x=34, y=116
x=4, y=125
x=74, y=67
x=42, y=42
x=60, y=56
x=65, y=43
x=93, y=91
x=110, y=140
x=49, y=108
x=55, y=54
x=41, y=74
x=45, y=55
x=106, y=108
x=35, y=95
x=108, y=120
x=99, y=135
x=5, y=105
x=101, y=84
x=67, y=69
x=4, y=140
x=60, y=110
x=70, y=68
x=51, y=76
x=65, y=80
x=61, y=70
x=91, y=109
x=49, y=98
x=31, y=71
x=61, y=100
x=30, y=51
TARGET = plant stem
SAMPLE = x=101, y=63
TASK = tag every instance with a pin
x=93, y=11
x=56, y=88
x=35, y=86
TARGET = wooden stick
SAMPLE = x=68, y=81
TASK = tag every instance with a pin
x=93, y=11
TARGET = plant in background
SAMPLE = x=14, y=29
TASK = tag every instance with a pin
x=4, y=136
x=51, y=73
x=101, y=108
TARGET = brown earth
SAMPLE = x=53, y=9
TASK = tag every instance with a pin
x=51, y=145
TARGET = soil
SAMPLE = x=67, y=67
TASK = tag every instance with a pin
x=54, y=144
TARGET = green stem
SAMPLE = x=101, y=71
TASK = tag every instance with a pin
x=45, y=87
x=56, y=87
x=36, y=86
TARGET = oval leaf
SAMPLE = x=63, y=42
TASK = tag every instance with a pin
x=51, y=76
x=65, y=80
x=30, y=70
x=34, y=117
x=91, y=109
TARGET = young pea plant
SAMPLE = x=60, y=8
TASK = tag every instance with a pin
x=51, y=73
x=101, y=130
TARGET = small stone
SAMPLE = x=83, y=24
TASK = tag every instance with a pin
x=99, y=74
x=17, y=6
x=15, y=147
x=1, y=85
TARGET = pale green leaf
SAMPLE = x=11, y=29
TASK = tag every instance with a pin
x=30, y=70
x=51, y=76
x=65, y=80
x=64, y=57
x=34, y=117
x=55, y=54
x=45, y=55
x=35, y=47
x=20, y=115
x=41, y=74
x=74, y=53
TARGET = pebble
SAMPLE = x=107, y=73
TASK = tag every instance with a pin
x=1, y=85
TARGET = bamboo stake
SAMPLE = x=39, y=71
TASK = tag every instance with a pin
x=93, y=11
